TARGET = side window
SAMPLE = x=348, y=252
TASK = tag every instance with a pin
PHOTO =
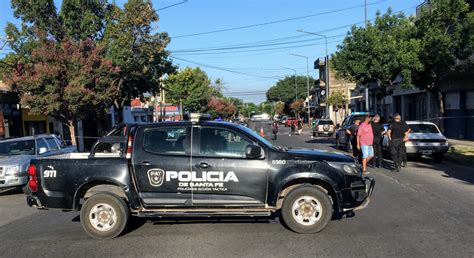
x=53, y=145
x=222, y=143
x=41, y=144
x=166, y=140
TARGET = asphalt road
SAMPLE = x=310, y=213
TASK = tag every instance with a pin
x=427, y=210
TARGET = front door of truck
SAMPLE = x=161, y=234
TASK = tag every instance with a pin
x=160, y=153
x=224, y=176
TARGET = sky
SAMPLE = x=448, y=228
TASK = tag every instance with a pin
x=249, y=60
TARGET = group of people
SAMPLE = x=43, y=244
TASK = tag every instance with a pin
x=295, y=125
x=366, y=140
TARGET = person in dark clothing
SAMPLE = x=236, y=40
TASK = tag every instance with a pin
x=378, y=131
x=397, y=136
x=352, y=133
x=275, y=129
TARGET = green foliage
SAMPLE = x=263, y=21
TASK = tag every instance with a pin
x=337, y=99
x=285, y=90
x=379, y=52
x=248, y=109
x=279, y=108
x=84, y=19
x=133, y=47
x=446, y=30
x=69, y=80
x=192, y=86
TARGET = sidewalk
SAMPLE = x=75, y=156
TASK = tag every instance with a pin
x=461, y=151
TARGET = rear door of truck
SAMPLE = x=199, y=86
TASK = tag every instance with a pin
x=160, y=151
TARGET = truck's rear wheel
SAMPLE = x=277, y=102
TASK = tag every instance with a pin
x=306, y=209
x=104, y=215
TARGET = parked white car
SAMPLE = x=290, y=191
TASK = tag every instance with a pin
x=16, y=154
x=425, y=138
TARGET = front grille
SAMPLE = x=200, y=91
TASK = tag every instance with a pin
x=427, y=140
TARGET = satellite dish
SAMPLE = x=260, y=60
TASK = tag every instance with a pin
x=323, y=92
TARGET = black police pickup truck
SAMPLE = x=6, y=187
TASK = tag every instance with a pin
x=196, y=169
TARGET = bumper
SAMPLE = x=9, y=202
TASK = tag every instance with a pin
x=360, y=194
x=13, y=180
x=426, y=149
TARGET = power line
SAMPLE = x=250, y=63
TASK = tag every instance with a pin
x=173, y=5
x=249, y=46
x=273, y=22
x=225, y=69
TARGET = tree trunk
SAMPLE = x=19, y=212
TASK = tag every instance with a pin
x=440, y=103
x=72, y=132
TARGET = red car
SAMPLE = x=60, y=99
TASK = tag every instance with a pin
x=289, y=121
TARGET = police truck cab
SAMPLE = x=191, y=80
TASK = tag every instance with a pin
x=196, y=169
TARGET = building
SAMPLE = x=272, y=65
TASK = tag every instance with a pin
x=336, y=114
x=421, y=104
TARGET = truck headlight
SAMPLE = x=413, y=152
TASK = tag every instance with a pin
x=10, y=170
x=346, y=167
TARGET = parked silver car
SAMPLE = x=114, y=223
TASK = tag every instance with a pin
x=425, y=138
x=16, y=154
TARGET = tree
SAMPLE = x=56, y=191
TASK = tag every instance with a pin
x=337, y=99
x=297, y=107
x=136, y=49
x=68, y=80
x=380, y=53
x=221, y=107
x=279, y=108
x=285, y=90
x=249, y=109
x=190, y=87
x=446, y=30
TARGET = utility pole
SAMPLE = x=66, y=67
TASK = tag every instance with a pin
x=296, y=85
x=307, y=84
x=366, y=86
x=326, y=65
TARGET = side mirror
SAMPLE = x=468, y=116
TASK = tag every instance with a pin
x=42, y=150
x=253, y=152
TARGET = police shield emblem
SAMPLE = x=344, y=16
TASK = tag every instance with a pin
x=156, y=176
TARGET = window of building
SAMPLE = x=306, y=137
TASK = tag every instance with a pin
x=452, y=100
x=166, y=140
x=223, y=143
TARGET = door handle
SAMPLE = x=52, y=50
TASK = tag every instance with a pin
x=203, y=165
x=146, y=163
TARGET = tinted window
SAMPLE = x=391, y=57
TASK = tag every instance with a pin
x=325, y=122
x=41, y=143
x=223, y=143
x=53, y=145
x=17, y=148
x=423, y=128
x=165, y=140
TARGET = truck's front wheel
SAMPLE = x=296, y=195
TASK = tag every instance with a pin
x=104, y=215
x=307, y=209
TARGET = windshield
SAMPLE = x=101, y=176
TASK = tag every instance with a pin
x=423, y=128
x=325, y=122
x=21, y=147
x=260, y=138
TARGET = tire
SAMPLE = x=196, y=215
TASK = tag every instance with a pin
x=438, y=157
x=316, y=198
x=111, y=206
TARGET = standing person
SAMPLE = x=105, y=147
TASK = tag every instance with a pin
x=352, y=132
x=299, y=126
x=378, y=130
x=293, y=127
x=275, y=129
x=397, y=136
x=365, y=139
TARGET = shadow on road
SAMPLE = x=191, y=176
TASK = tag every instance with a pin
x=10, y=191
x=465, y=174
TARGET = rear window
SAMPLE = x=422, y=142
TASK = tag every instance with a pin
x=423, y=128
x=325, y=122
x=166, y=140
